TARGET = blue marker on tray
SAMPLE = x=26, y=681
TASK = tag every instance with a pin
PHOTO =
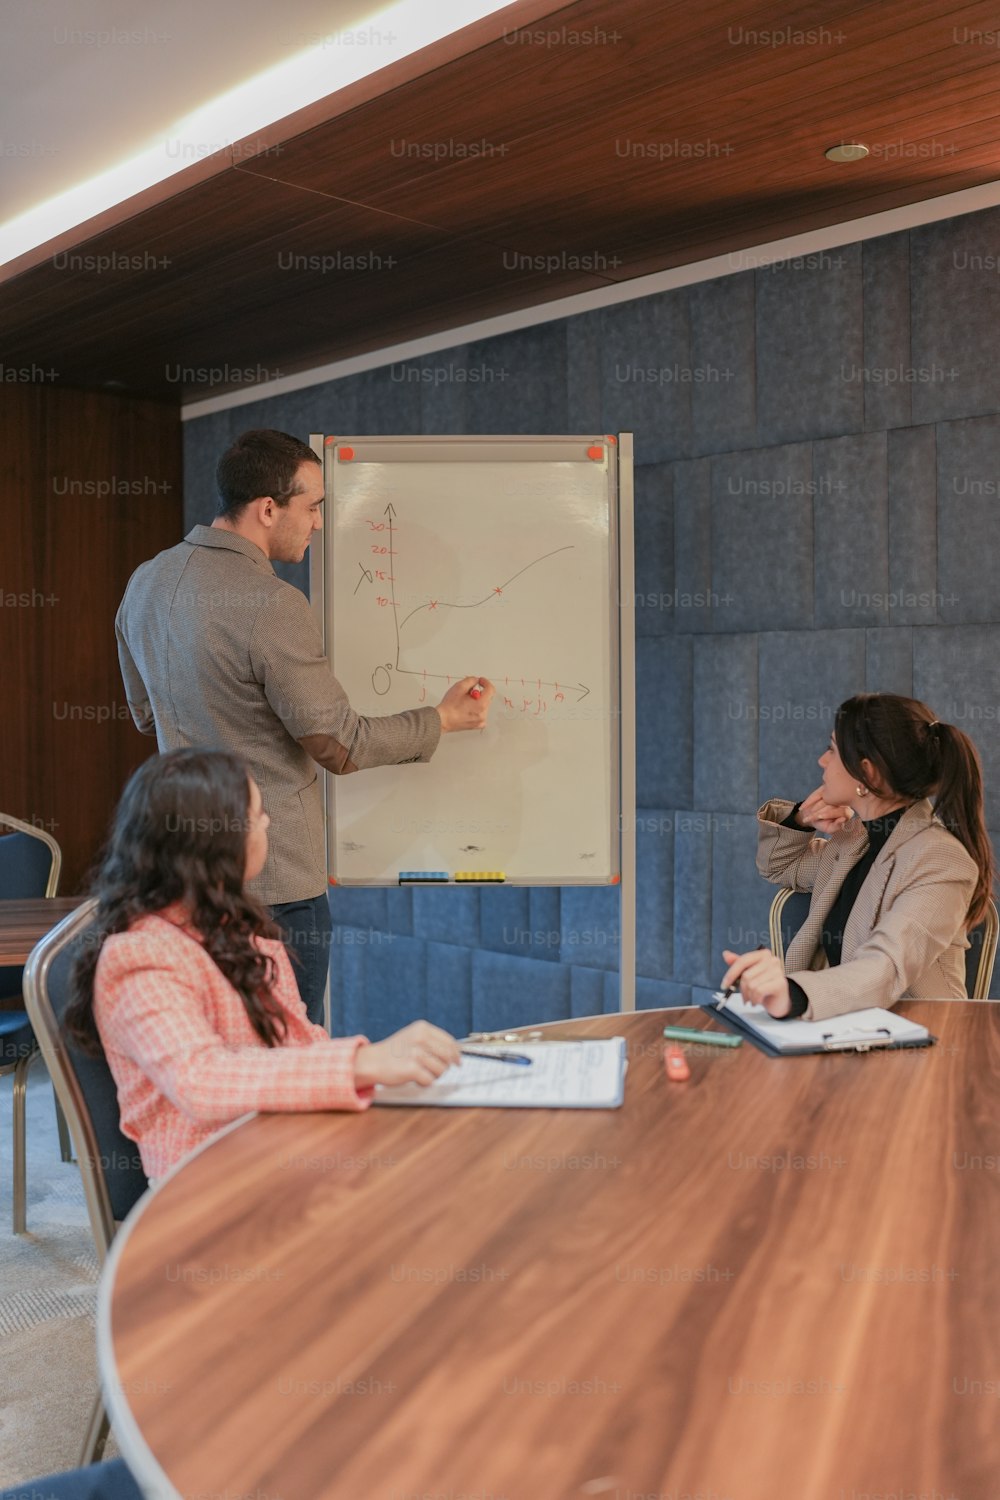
x=428, y=877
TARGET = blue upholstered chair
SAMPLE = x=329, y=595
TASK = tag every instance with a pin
x=29, y=866
x=110, y=1481
x=113, y=1177
x=790, y=908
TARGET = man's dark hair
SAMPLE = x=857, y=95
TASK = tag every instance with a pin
x=263, y=462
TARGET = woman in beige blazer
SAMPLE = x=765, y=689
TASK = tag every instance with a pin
x=897, y=881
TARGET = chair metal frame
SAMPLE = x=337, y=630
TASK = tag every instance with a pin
x=52, y=1046
x=987, y=957
x=988, y=953
x=21, y=1066
x=16, y=826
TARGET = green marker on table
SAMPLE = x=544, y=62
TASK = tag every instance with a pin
x=714, y=1038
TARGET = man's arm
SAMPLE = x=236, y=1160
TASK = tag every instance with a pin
x=287, y=657
x=135, y=689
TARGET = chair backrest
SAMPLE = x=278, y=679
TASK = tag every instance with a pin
x=981, y=955
x=113, y=1178
x=789, y=910
x=30, y=860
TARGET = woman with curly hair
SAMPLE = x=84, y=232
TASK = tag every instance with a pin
x=185, y=984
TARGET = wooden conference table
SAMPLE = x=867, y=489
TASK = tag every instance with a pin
x=779, y=1280
x=25, y=923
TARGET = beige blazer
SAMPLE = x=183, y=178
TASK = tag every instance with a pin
x=905, y=937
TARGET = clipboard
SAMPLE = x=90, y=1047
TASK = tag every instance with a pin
x=871, y=1030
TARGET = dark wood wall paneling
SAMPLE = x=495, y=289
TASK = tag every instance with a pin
x=73, y=533
x=743, y=95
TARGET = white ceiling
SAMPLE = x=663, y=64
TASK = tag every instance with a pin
x=85, y=85
x=88, y=86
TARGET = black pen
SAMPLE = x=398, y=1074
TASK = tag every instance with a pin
x=511, y=1057
x=733, y=989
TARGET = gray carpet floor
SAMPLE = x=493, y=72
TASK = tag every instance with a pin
x=48, y=1298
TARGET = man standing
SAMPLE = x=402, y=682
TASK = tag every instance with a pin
x=217, y=651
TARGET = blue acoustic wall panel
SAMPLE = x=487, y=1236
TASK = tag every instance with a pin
x=911, y=463
x=588, y=930
x=887, y=353
x=654, y=948
x=851, y=505
x=889, y=661
x=517, y=991
x=816, y=501
x=804, y=675
x=654, y=553
x=505, y=920
x=955, y=318
x=692, y=915
x=347, y=983
x=810, y=347
x=645, y=364
x=694, y=603
x=956, y=668
x=723, y=362
x=762, y=530
x=725, y=721
x=446, y=916
x=741, y=899
x=968, y=496
x=586, y=992
x=359, y=907
x=448, y=998
x=663, y=720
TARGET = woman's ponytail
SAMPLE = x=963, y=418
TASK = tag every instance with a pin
x=959, y=806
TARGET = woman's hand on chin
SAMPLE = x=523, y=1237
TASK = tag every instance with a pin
x=825, y=817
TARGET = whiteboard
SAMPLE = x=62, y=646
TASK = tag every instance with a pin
x=491, y=556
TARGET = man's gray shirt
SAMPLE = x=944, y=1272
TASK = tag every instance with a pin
x=218, y=652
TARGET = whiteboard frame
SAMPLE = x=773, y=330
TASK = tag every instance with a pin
x=622, y=564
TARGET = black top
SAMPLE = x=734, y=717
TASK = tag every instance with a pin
x=832, y=936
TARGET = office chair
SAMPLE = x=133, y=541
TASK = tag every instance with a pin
x=790, y=908
x=30, y=860
x=112, y=1173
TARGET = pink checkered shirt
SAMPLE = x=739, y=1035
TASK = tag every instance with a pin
x=183, y=1053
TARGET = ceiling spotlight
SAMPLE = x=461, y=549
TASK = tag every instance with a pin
x=847, y=151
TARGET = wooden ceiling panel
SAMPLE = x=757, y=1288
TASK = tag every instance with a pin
x=215, y=280
x=672, y=76
x=310, y=318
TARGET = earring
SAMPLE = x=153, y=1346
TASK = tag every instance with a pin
x=861, y=791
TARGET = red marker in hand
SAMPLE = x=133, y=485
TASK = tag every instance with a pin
x=476, y=692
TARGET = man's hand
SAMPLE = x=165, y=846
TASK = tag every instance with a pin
x=460, y=711
x=825, y=817
x=417, y=1054
x=761, y=979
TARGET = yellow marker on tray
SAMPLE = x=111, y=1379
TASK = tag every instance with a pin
x=497, y=876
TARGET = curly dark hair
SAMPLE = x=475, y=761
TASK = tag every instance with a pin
x=179, y=834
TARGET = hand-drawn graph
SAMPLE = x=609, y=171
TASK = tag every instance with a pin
x=446, y=565
x=382, y=674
